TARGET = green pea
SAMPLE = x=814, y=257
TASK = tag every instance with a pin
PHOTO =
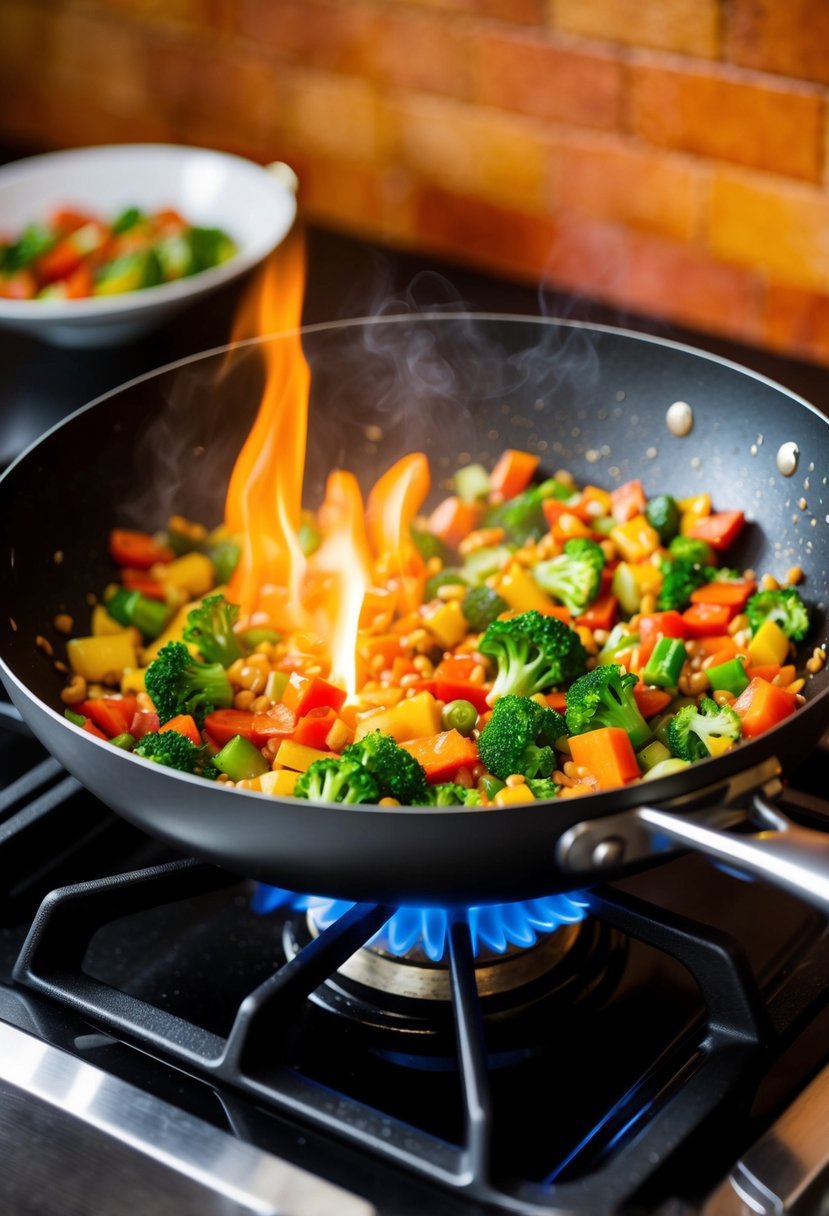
x=460, y=716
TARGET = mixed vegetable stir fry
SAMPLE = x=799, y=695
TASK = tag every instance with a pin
x=74, y=254
x=567, y=639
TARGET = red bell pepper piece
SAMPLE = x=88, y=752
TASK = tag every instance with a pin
x=144, y=722
x=107, y=715
x=601, y=614
x=450, y=682
x=137, y=549
x=735, y=594
x=21, y=285
x=224, y=724
x=184, y=724
x=659, y=624
x=92, y=729
x=719, y=529
x=627, y=501
x=308, y=692
x=313, y=728
x=651, y=701
x=139, y=580
x=702, y=620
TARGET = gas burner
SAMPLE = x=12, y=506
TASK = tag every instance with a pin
x=570, y=969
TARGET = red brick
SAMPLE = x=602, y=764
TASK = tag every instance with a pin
x=332, y=114
x=607, y=179
x=100, y=56
x=201, y=14
x=358, y=198
x=338, y=37
x=797, y=322
x=556, y=81
x=787, y=36
x=521, y=12
x=689, y=286
x=469, y=230
x=768, y=222
x=727, y=113
x=473, y=151
x=423, y=51
x=688, y=26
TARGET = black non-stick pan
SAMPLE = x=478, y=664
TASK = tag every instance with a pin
x=460, y=388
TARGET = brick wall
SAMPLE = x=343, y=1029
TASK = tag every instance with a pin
x=666, y=156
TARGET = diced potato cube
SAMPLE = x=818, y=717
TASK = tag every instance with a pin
x=192, y=573
x=278, y=782
x=298, y=756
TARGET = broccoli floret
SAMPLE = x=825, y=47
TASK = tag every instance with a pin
x=448, y=577
x=784, y=607
x=679, y=579
x=533, y=652
x=428, y=545
x=481, y=606
x=662, y=513
x=691, y=727
x=180, y=684
x=519, y=738
x=337, y=780
x=397, y=774
x=573, y=577
x=604, y=697
x=687, y=549
x=522, y=517
x=542, y=787
x=210, y=627
x=451, y=793
x=174, y=750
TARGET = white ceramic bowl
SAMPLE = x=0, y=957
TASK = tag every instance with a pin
x=254, y=205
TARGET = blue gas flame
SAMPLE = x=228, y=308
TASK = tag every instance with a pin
x=493, y=927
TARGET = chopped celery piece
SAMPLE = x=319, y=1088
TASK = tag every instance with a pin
x=730, y=677
x=239, y=759
x=126, y=741
x=653, y=754
x=132, y=608
x=481, y=564
x=664, y=665
x=666, y=768
x=224, y=555
x=251, y=638
x=472, y=482
x=71, y=716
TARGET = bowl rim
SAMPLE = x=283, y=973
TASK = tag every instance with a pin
x=104, y=307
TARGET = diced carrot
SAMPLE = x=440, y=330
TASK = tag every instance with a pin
x=735, y=594
x=137, y=549
x=659, y=624
x=312, y=728
x=460, y=690
x=554, y=508
x=766, y=671
x=453, y=519
x=720, y=529
x=556, y=700
x=112, y=721
x=762, y=705
x=716, y=643
x=308, y=692
x=627, y=501
x=67, y=220
x=702, y=620
x=568, y=526
x=388, y=645
x=185, y=724
x=608, y=754
x=224, y=724
x=601, y=614
x=279, y=722
x=512, y=473
x=651, y=701
x=443, y=754
x=79, y=283
x=139, y=580
x=21, y=285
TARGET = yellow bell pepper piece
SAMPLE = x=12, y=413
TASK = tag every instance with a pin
x=513, y=793
x=769, y=645
x=278, y=782
x=192, y=573
x=447, y=624
x=409, y=719
x=102, y=623
x=716, y=746
x=96, y=657
x=521, y=591
x=132, y=680
x=298, y=756
x=692, y=510
x=636, y=539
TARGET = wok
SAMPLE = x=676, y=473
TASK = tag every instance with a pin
x=460, y=387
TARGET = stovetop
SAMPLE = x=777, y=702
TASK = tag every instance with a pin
x=161, y=1039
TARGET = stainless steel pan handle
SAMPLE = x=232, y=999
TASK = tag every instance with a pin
x=782, y=852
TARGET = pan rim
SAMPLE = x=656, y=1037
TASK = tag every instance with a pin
x=602, y=802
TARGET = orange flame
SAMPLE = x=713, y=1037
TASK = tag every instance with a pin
x=318, y=599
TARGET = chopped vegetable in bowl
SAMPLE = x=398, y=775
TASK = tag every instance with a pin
x=564, y=640
x=75, y=255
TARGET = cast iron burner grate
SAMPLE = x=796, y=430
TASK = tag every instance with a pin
x=714, y=1058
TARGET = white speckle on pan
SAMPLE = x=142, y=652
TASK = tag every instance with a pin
x=696, y=462
x=759, y=441
x=591, y=455
x=651, y=454
x=806, y=483
x=374, y=433
x=754, y=449
x=538, y=405
x=788, y=454
x=605, y=450
x=542, y=445
x=493, y=435
x=679, y=418
x=620, y=395
x=802, y=503
x=575, y=432
x=813, y=523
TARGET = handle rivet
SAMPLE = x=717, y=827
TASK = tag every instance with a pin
x=608, y=852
